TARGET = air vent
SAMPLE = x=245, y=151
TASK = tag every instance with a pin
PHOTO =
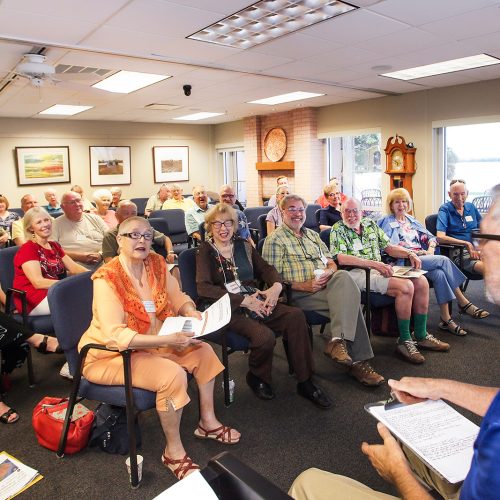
x=161, y=107
x=62, y=69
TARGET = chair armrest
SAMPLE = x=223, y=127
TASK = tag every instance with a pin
x=254, y=233
x=24, y=303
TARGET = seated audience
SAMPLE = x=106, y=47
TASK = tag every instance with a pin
x=297, y=252
x=156, y=201
x=228, y=264
x=281, y=180
x=404, y=230
x=40, y=263
x=6, y=220
x=87, y=204
x=323, y=199
x=178, y=201
x=195, y=216
x=133, y=295
x=227, y=195
x=456, y=219
x=102, y=199
x=53, y=207
x=116, y=194
x=357, y=241
x=80, y=234
x=27, y=201
x=274, y=218
x=329, y=215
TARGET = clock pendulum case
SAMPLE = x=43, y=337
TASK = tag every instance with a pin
x=400, y=163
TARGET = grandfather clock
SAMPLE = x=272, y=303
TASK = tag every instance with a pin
x=400, y=163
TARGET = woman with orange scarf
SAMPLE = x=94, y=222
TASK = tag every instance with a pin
x=133, y=295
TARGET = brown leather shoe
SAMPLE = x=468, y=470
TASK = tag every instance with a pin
x=408, y=349
x=365, y=374
x=336, y=349
x=431, y=343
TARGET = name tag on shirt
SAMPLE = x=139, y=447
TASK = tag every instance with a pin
x=469, y=218
x=81, y=237
x=233, y=286
x=149, y=305
x=357, y=245
x=394, y=224
x=323, y=259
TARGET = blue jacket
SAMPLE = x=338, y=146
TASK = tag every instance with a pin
x=424, y=236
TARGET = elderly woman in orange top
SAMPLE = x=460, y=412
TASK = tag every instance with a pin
x=133, y=295
x=103, y=198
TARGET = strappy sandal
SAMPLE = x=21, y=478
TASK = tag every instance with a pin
x=452, y=327
x=42, y=347
x=4, y=418
x=473, y=311
x=221, y=434
x=179, y=468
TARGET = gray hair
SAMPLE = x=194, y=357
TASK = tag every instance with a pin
x=289, y=198
x=115, y=189
x=28, y=219
x=99, y=193
x=358, y=203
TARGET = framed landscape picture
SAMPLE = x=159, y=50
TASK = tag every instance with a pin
x=171, y=163
x=42, y=165
x=110, y=165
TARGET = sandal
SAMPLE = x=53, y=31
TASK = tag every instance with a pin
x=221, y=434
x=452, y=327
x=179, y=468
x=474, y=311
x=42, y=347
x=4, y=418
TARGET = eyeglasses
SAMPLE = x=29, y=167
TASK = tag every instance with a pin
x=228, y=196
x=334, y=194
x=137, y=236
x=456, y=181
x=227, y=223
x=294, y=210
x=353, y=211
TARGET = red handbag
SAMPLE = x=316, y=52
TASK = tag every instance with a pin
x=48, y=420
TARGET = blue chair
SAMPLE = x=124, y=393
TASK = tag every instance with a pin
x=252, y=215
x=18, y=211
x=161, y=226
x=176, y=227
x=70, y=302
x=141, y=205
x=311, y=222
x=262, y=225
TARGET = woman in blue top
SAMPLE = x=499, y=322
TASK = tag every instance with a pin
x=403, y=229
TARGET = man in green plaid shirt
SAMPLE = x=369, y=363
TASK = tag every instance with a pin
x=357, y=241
x=299, y=255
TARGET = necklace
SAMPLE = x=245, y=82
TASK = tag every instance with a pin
x=230, y=262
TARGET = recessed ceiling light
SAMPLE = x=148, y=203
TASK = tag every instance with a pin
x=198, y=116
x=125, y=82
x=441, y=68
x=280, y=99
x=64, y=109
x=269, y=19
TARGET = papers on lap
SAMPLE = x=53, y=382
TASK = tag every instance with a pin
x=212, y=319
x=440, y=436
x=407, y=272
x=192, y=486
x=15, y=476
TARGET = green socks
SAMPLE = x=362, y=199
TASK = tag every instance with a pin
x=404, y=329
x=420, y=323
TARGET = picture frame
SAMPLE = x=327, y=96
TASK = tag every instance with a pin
x=42, y=165
x=110, y=165
x=170, y=163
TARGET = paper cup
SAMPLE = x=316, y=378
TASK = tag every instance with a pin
x=140, y=460
x=318, y=273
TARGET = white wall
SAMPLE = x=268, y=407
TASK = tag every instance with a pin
x=79, y=135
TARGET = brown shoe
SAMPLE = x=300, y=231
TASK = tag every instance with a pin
x=337, y=350
x=365, y=374
x=408, y=349
x=431, y=343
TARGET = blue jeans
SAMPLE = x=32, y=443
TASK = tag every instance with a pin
x=444, y=274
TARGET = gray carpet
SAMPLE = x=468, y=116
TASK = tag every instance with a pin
x=281, y=438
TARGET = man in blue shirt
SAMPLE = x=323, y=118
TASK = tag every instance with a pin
x=456, y=219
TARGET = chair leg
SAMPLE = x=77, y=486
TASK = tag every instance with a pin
x=290, y=365
x=29, y=363
x=225, y=373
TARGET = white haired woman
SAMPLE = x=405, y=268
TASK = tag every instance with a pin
x=103, y=198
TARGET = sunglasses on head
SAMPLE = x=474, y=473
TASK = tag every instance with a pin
x=456, y=181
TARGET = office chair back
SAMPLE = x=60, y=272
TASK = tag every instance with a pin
x=325, y=237
x=160, y=225
x=262, y=226
x=311, y=222
x=176, y=227
x=141, y=205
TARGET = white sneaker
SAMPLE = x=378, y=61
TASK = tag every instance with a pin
x=64, y=372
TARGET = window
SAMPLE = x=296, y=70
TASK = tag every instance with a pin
x=472, y=154
x=232, y=163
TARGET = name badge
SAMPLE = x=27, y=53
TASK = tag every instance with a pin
x=394, y=225
x=357, y=245
x=323, y=259
x=149, y=305
x=81, y=237
x=233, y=286
x=469, y=218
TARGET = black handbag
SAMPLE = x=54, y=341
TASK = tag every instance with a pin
x=109, y=430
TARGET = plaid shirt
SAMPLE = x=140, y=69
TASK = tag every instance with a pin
x=367, y=245
x=294, y=257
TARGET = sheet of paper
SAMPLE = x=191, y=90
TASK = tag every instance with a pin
x=407, y=272
x=15, y=476
x=212, y=319
x=437, y=433
x=192, y=486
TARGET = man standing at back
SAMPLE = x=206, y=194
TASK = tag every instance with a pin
x=281, y=180
x=195, y=216
x=80, y=234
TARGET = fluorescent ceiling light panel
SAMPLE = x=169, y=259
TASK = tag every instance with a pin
x=441, y=68
x=269, y=19
x=198, y=116
x=64, y=109
x=125, y=82
x=280, y=99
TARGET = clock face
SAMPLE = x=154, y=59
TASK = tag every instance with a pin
x=397, y=162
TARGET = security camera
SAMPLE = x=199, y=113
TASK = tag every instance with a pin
x=187, y=90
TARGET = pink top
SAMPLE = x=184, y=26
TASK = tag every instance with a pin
x=109, y=219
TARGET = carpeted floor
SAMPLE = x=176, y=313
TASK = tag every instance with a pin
x=280, y=439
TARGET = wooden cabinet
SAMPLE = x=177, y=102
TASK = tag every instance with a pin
x=400, y=163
